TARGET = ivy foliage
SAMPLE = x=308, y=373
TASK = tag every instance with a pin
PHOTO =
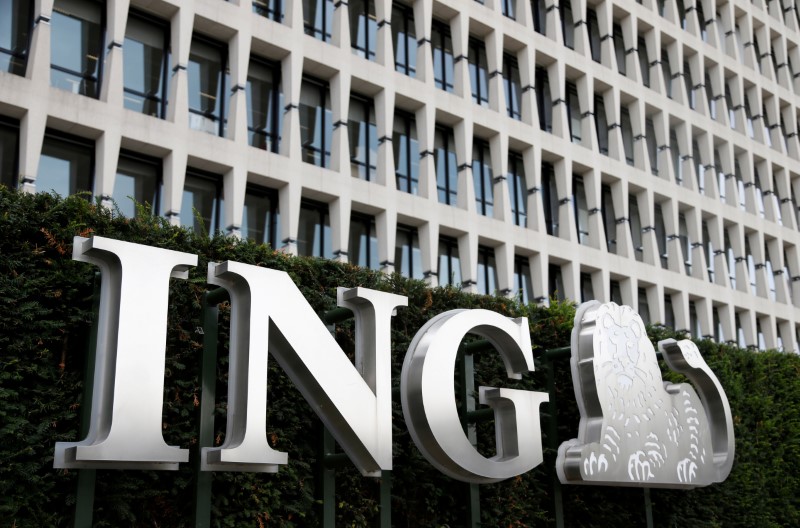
x=45, y=330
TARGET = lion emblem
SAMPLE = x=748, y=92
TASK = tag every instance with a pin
x=635, y=428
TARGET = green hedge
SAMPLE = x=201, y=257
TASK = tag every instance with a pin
x=46, y=300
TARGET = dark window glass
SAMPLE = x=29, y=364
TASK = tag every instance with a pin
x=517, y=189
x=689, y=83
x=406, y=152
x=666, y=71
x=77, y=46
x=594, y=34
x=644, y=62
x=644, y=308
x=669, y=312
x=701, y=19
x=449, y=263
x=601, y=124
x=523, y=287
x=316, y=122
x=708, y=249
x=363, y=138
x=550, y=200
x=446, y=165
x=66, y=165
x=482, y=177
x=363, y=28
x=681, y=13
x=652, y=145
x=544, y=101
x=694, y=321
x=202, y=203
x=555, y=282
x=272, y=9
x=363, y=247
x=539, y=10
x=478, y=72
x=661, y=236
x=442, y=46
x=9, y=153
x=700, y=170
x=636, y=228
x=487, y=271
x=138, y=181
x=710, y=97
x=675, y=153
x=16, y=21
x=261, y=218
x=264, y=104
x=609, y=218
x=573, y=112
x=404, y=36
x=513, y=87
x=616, y=292
x=146, y=60
x=619, y=50
x=509, y=8
x=686, y=243
x=567, y=23
x=207, y=90
x=581, y=209
x=627, y=135
x=748, y=113
x=314, y=230
x=407, y=255
x=587, y=290
x=318, y=18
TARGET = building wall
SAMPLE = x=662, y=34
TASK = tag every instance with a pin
x=708, y=152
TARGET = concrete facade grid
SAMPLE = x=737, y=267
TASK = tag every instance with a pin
x=744, y=125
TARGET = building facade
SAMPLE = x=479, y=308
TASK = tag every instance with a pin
x=645, y=153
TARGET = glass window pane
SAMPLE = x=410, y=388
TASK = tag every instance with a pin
x=201, y=204
x=316, y=126
x=206, y=91
x=404, y=37
x=260, y=219
x=144, y=66
x=65, y=167
x=15, y=26
x=263, y=105
x=9, y=152
x=137, y=182
x=76, y=46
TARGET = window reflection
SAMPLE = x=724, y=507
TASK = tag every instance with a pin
x=363, y=135
x=138, y=181
x=446, y=165
x=66, y=166
x=482, y=177
x=363, y=246
x=314, y=232
x=145, y=65
x=316, y=122
x=9, y=153
x=318, y=18
x=442, y=46
x=202, y=202
x=404, y=37
x=407, y=255
x=207, y=90
x=76, y=46
x=363, y=28
x=16, y=21
x=261, y=219
x=406, y=152
x=449, y=263
x=264, y=104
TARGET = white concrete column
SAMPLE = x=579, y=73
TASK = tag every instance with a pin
x=111, y=85
x=339, y=210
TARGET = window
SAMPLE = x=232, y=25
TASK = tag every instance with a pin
x=517, y=189
x=555, y=282
x=644, y=62
x=666, y=71
x=76, y=46
x=681, y=13
x=669, y=312
x=66, y=165
x=513, y=87
x=9, y=153
x=601, y=124
x=449, y=263
x=442, y=46
x=616, y=292
x=482, y=177
x=731, y=259
x=619, y=49
x=652, y=145
x=146, y=59
x=730, y=106
x=539, y=10
x=261, y=215
x=636, y=228
x=675, y=153
x=478, y=72
x=587, y=290
x=627, y=135
x=363, y=28
x=661, y=236
x=694, y=321
x=201, y=206
x=701, y=20
x=16, y=21
x=487, y=271
x=314, y=233
x=573, y=112
x=710, y=97
x=523, y=287
x=699, y=166
x=363, y=138
x=406, y=152
x=686, y=243
x=581, y=209
x=509, y=8
x=446, y=165
x=316, y=122
x=207, y=90
x=264, y=104
x=363, y=246
x=544, y=101
x=689, y=83
x=318, y=18
x=594, y=34
x=550, y=201
x=748, y=113
x=609, y=218
x=719, y=333
x=708, y=249
x=404, y=37
x=567, y=23
x=407, y=255
x=138, y=181
x=644, y=308
x=271, y=9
